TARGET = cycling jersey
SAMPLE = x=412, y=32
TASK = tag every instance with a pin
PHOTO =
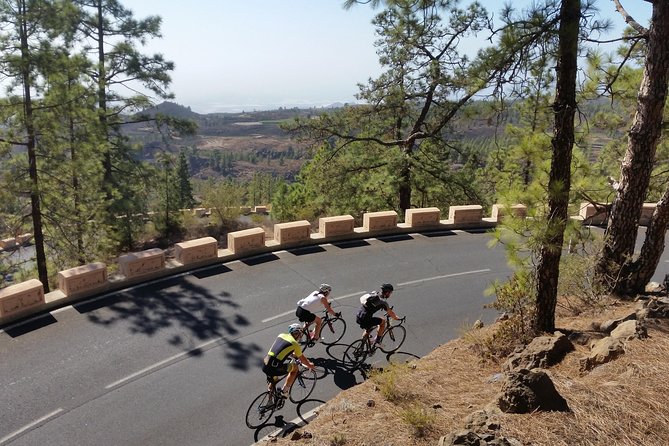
x=372, y=304
x=283, y=346
x=312, y=302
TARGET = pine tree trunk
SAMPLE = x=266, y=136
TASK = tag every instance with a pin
x=548, y=267
x=405, y=182
x=637, y=165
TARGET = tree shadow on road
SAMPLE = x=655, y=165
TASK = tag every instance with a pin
x=179, y=305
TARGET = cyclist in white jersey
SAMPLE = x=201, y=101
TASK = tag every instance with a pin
x=307, y=307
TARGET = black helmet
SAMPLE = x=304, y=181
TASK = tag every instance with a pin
x=386, y=287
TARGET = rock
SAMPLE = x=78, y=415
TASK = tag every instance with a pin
x=478, y=324
x=371, y=403
x=543, y=351
x=585, y=337
x=629, y=330
x=605, y=350
x=611, y=324
x=526, y=391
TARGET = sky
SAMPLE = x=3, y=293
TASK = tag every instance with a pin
x=234, y=55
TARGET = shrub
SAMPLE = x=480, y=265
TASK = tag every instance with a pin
x=419, y=418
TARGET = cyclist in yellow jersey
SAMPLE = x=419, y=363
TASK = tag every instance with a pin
x=275, y=363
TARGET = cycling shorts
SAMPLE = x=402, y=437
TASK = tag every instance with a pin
x=368, y=323
x=304, y=315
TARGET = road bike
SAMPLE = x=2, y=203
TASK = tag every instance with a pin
x=392, y=339
x=265, y=404
x=332, y=330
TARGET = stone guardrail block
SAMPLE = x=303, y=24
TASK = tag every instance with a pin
x=8, y=243
x=260, y=209
x=292, y=232
x=246, y=240
x=192, y=251
x=647, y=211
x=418, y=217
x=200, y=212
x=83, y=278
x=334, y=226
x=591, y=215
x=140, y=263
x=467, y=214
x=500, y=210
x=379, y=221
x=22, y=296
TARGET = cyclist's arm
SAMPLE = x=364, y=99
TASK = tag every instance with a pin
x=326, y=304
x=304, y=360
x=392, y=314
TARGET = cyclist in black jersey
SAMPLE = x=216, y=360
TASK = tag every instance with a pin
x=275, y=363
x=371, y=303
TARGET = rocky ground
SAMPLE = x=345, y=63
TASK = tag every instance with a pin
x=600, y=381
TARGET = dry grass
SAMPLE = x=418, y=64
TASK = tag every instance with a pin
x=620, y=403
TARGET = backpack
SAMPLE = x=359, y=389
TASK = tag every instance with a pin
x=367, y=296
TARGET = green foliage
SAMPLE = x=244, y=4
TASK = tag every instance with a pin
x=224, y=198
x=419, y=418
x=386, y=380
x=338, y=440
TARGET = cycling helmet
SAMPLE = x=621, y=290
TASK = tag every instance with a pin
x=292, y=328
x=386, y=287
x=324, y=288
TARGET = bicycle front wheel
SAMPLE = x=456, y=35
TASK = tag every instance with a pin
x=355, y=354
x=303, y=386
x=333, y=330
x=260, y=410
x=393, y=339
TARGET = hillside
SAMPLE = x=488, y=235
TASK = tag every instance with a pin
x=618, y=403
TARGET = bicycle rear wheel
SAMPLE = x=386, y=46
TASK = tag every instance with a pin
x=333, y=330
x=393, y=339
x=260, y=410
x=303, y=386
x=355, y=354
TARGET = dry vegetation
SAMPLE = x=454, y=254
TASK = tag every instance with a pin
x=619, y=403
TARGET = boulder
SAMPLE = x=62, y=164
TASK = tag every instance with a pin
x=526, y=391
x=632, y=329
x=611, y=324
x=605, y=350
x=543, y=352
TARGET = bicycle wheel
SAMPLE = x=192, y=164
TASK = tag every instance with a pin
x=355, y=354
x=393, y=339
x=333, y=330
x=260, y=410
x=303, y=386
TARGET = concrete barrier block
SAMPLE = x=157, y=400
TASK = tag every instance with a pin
x=647, y=211
x=334, y=226
x=418, y=217
x=467, y=214
x=192, y=251
x=200, y=212
x=379, y=221
x=501, y=210
x=292, y=232
x=25, y=295
x=260, y=209
x=246, y=240
x=83, y=278
x=24, y=238
x=591, y=215
x=8, y=243
x=141, y=263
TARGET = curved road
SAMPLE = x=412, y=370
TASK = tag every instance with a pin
x=177, y=361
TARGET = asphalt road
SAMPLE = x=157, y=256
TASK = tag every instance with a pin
x=177, y=361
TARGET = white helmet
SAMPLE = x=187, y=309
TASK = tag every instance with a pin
x=293, y=328
x=324, y=288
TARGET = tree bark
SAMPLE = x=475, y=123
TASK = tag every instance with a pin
x=614, y=264
x=559, y=184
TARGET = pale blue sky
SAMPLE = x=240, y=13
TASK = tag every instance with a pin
x=258, y=54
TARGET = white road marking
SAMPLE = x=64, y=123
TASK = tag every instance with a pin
x=444, y=276
x=161, y=363
x=29, y=426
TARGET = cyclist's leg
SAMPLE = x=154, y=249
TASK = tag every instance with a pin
x=319, y=326
x=291, y=370
x=381, y=329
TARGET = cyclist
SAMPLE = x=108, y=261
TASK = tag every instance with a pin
x=309, y=305
x=274, y=364
x=371, y=303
